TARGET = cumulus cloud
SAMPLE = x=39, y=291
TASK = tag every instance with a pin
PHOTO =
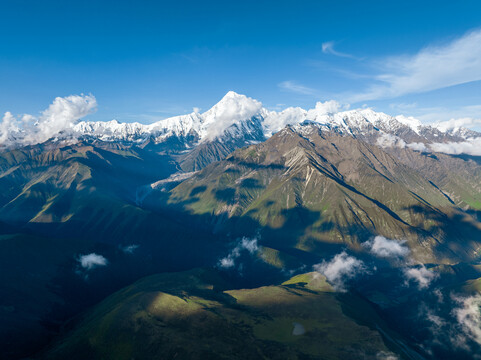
x=434, y=67
x=275, y=121
x=386, y=248
x=60, y=116
x=456, y=124
x=8, y=128
x=341, y=268
x=64, y=112
x=245, y=245
x=471, y=146
x=92, y=260
x=324, y=110
x=386, y=140
x=295, y=87
x=232, y=109
x=420, y=275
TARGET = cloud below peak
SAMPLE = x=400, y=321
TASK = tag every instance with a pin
x=420, y=275
x=386, y=248
x=91, y=261
x=340, y=269
x=244, y=245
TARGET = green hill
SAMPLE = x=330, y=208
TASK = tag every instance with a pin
x=191, y=316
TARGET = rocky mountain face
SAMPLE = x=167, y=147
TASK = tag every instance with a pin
x=307, y=187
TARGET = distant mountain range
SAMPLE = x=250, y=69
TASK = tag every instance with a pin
x=238, y=118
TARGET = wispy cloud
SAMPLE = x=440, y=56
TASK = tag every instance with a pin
x=295, y=87
x=129, y=249
x=468, y=317
x=244, y=245
x=328, y=48
x=434, y=67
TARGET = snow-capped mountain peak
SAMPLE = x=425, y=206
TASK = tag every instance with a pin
x=244, y=120
x=232, y=109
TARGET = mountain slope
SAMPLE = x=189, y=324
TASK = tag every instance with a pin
x=61, y=203
x=307, y=187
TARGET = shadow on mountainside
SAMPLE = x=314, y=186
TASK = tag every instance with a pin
x=462, y=226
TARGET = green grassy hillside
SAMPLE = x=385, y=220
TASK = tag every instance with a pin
x=191, y=316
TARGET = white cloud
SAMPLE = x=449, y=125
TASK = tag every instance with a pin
x=275, y=121
x=228, y=262
x=341, y=268
x=468, y=317
x=232, y=109
x=298, y=329
x=60, y=116
x=8, y=128
x=246, y=244
x=410, y=121
x=457, y=324
x=384, y=355
x=386, y=140
x=249, y=244
x=456, y=124
x=382, y=247
x=129, y=249
x=420, y=275
x=470, y=146
x=91, y=261
x=292, y=86
x=418, y=146
x=434, y=67
x=325, y=108
x=328, y=48
x=440, y=114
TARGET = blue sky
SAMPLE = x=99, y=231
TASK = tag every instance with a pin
x=147, y=60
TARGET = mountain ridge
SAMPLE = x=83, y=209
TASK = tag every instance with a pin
x=241, y=118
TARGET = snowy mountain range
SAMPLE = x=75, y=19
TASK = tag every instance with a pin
x=240, y=118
